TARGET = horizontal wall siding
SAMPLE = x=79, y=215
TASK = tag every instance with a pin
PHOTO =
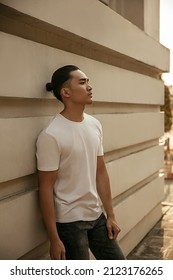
x=130, y=170
x=134, y=226
x=137, y=44
x=123, y=65
x=19, y=137
x=110, y=84
x=137, y=233
x=122, y=130
x=18, y=145
x=134, y=208
x=21, y=226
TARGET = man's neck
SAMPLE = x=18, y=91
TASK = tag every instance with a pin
x=75, y=114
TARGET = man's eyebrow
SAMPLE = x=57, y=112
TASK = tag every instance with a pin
x=84, y=79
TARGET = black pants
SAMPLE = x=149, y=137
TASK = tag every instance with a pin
x=79, y=236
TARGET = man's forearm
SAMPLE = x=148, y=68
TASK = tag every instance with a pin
x=103, y=186
x=48, y=213
x=46, y=187
x=57, y=250
x=104, y=191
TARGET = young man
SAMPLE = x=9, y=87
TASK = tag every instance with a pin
x=72, y=176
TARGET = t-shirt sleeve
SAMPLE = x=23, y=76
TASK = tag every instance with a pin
x=47, y=153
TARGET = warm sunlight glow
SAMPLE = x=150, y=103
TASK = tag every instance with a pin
x=166, y=34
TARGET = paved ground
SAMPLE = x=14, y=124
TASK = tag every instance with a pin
x=158, y=243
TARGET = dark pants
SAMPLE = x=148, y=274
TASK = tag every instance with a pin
x=79, y=236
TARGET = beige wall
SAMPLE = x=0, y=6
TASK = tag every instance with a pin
x=123, y=64
x=143, y=13
x=152, y=18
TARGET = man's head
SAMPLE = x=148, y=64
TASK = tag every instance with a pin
x=69, y=83
x=59, y=78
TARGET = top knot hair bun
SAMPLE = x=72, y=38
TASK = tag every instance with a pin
x=49, y=87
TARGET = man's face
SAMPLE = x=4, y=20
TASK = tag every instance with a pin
x=79, y=88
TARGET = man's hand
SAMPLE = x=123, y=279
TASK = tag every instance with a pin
x=113, y=228
x=57, y=250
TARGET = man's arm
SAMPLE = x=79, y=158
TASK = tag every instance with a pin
x=46, y=185
x=104, y=191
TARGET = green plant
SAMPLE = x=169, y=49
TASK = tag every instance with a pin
x=167, y=109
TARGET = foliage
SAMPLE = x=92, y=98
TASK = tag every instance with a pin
x=167, y=109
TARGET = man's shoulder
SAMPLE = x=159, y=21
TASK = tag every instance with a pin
x=92, y=119
x=50, y=128
x=55, y=124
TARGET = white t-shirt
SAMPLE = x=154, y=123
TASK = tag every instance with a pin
x=72, y=149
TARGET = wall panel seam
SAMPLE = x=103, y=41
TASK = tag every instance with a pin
x=131, y=191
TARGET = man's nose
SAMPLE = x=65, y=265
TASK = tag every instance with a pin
x=89, y=87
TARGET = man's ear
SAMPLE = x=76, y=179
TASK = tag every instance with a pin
x=65, y=92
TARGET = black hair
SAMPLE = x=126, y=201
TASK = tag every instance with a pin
x=59, y=77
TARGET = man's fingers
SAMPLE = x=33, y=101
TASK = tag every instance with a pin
x=116, y=231
x=113, y=233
